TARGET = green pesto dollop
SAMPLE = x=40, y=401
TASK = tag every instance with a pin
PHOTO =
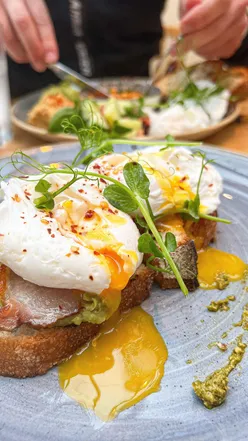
x=93, y=310
x=221, y=305
x=213, y=390
x=222, y=280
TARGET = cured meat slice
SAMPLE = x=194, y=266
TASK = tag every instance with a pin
x=22, y=302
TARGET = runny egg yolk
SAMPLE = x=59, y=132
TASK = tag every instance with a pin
x=119, y=278
x=120, y=367
x=212, y=263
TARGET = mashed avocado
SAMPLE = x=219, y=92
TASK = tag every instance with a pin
x=94, y=310
x=213, y=390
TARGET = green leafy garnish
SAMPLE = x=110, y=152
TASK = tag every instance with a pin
x=136, y=179
x=120, y=198
x=147, y=245
x=135, y=110
x=128, y=198
x=138, y=190
x=170, y=242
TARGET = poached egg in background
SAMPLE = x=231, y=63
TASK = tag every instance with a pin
x=173, y=174
x=180, y=119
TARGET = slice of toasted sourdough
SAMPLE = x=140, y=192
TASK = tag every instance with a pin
x=28, y=352
x=190, y=236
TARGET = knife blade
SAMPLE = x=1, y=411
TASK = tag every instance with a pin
x=64, y=72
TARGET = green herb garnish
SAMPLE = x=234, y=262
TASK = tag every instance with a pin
x=128, y=198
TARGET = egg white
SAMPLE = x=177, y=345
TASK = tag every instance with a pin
x=161, y=168
x=40, y=248
x=180, y=119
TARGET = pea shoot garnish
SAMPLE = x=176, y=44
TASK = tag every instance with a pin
x=131, y=197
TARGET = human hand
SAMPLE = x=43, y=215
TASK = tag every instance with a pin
x=214, y=28
x=28, y=32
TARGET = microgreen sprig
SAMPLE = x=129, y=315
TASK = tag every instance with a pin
x=191, y=208
x=134, y=196
x=128, y=198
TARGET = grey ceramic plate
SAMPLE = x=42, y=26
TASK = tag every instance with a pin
x=36, y=409
x=22, y=107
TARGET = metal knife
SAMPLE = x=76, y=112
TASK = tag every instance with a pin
x=66, y=73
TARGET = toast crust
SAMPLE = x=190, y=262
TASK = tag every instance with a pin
x=194, y=237
x=28, y=352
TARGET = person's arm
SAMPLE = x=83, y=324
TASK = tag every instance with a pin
x=215, y=28
x=28, y=32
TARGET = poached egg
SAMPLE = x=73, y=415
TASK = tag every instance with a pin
x=173, y=174
x=180, y=119
x=83, y=243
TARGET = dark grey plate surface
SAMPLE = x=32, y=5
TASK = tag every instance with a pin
x=37, y=409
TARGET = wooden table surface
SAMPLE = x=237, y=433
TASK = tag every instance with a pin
x=233, y=137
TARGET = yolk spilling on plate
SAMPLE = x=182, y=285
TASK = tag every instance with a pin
x=120, y=367
x=212, y=263
x=112, y=298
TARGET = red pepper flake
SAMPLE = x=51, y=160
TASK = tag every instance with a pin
x=68, y=255
x=60, y=307
x=91, y=277
x=89, y=214
x=96, y=253
x=80, y=190
x=22, y=217
x=74, y=229
x=24, y=251
x=35, y=215
x=16, y=198
x=96, y=166
x=1, y=235
x=75, y=250
x=183, y=179
x=181, y=188
x=24, y=223
x=53, y=236
x=49, y=230
x=92, y=185
x=27, y=194
x=211, y=185
x=206, y=168
x=102, y=180
x=111, y=211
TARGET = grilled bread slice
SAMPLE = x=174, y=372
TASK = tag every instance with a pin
x=27, y=352
x=191, y=237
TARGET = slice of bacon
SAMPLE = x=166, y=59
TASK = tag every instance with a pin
x=22, y=302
